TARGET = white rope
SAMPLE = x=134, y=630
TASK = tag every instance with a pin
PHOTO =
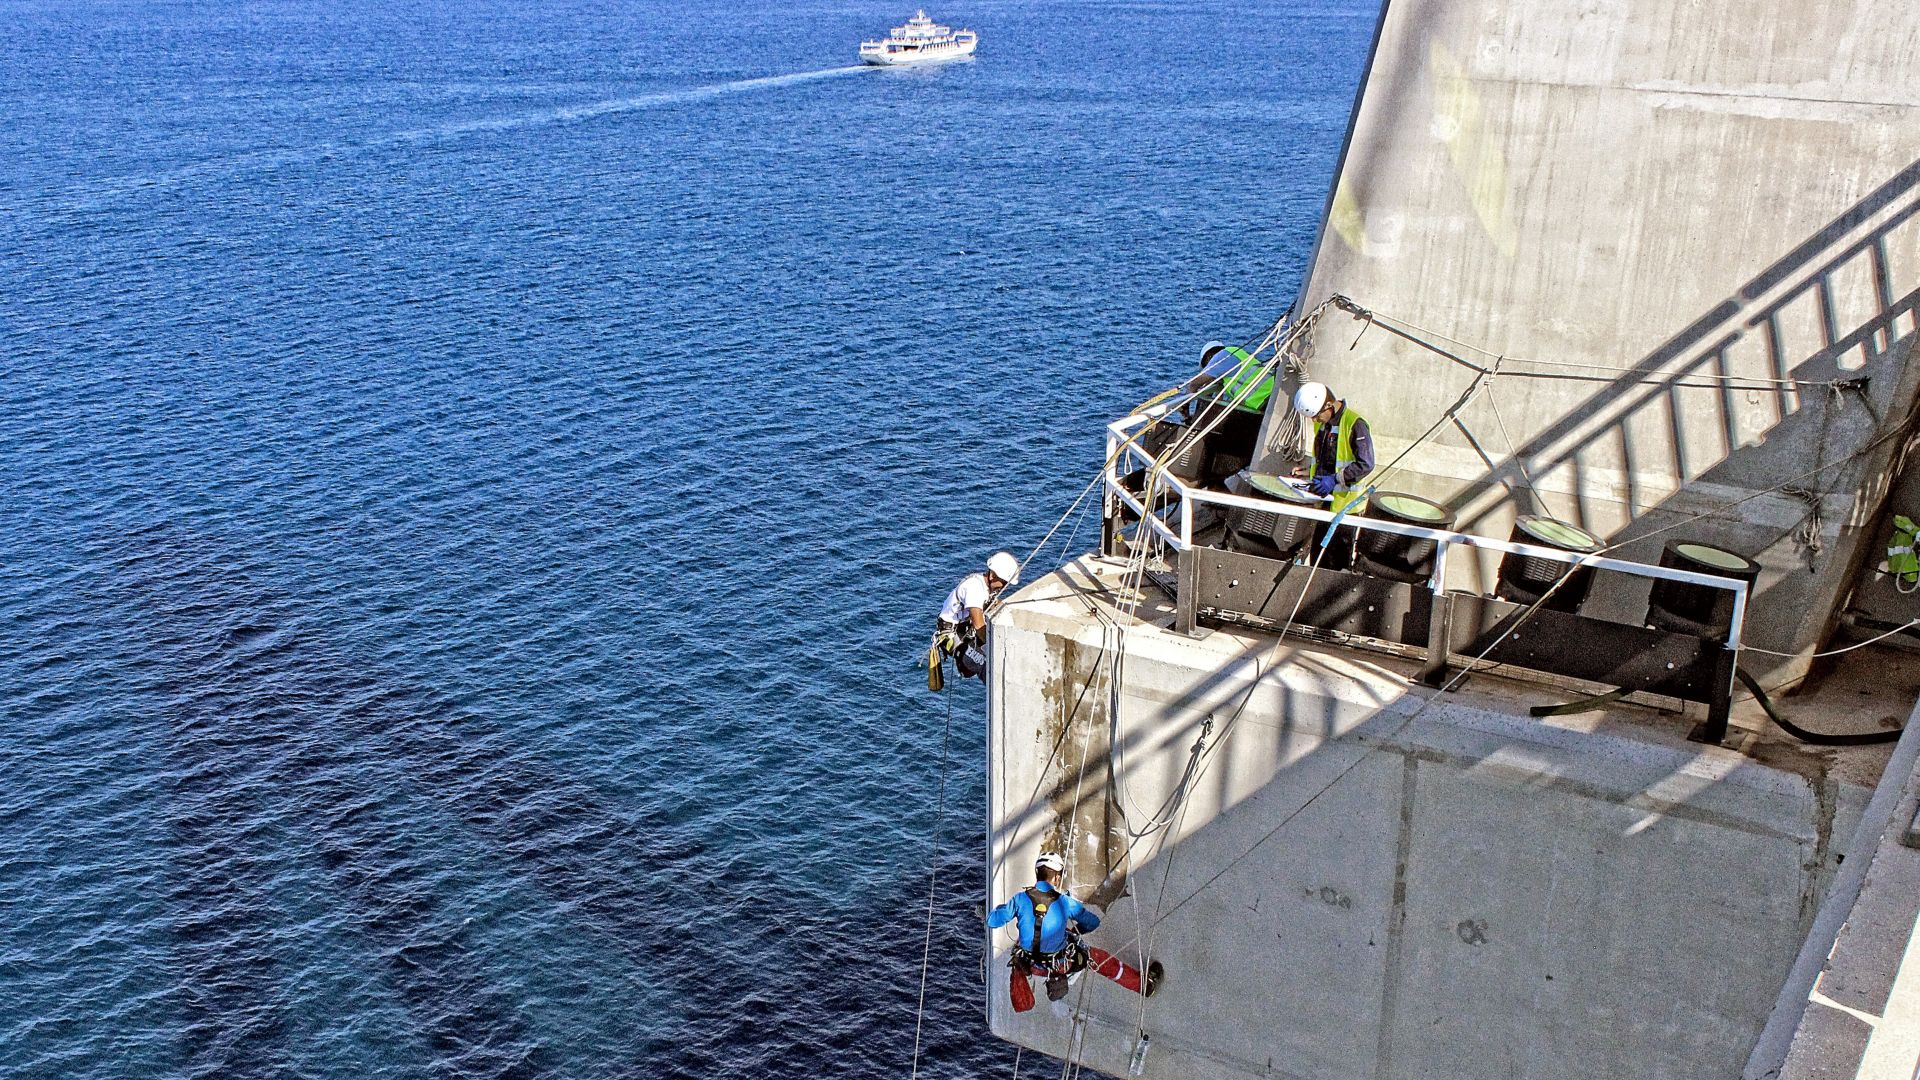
x=1702, y=380
x=933, y=877
x=1525, y=615
x=1513, y=452
x=1146, y=542
x=1836, y=652
x=1075, y=505
x=1147, y=539
x=1270, y=336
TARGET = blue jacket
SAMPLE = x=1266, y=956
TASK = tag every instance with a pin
x=1053, y=928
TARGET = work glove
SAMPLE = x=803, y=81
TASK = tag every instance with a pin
x=1322, y=485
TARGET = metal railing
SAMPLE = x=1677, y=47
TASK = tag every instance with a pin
x=1125, y=454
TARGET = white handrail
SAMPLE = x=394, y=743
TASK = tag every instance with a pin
x=1122, y=448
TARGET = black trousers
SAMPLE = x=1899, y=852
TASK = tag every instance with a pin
x=1231, y=445
x=965, y=644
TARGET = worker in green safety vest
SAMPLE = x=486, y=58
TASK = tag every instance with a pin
x=1901, y=562
x=1342, y=445
x=1231, y=393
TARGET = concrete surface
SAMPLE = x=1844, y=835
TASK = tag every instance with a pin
x=1629, y=200
x=1860, y=1016
x=1355, y=882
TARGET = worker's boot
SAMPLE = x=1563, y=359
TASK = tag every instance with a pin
x=1154, y=974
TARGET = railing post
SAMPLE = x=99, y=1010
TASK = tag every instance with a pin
x=1439, y=622
x=1109, y=505
x=1714, y=728
x=1187, y=602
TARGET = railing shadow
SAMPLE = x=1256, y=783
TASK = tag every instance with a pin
x=1839, y=313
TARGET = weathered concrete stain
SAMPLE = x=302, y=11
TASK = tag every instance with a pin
x=1396, y=921
x=1086, y=826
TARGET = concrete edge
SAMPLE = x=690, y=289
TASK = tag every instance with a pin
x=1770, y=1051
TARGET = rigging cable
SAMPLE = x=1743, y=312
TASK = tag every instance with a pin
x=1525, y=616
x=1528, y=613
x=1417, y=334
x=933, y=878
x=1267, y=337
x=1844, y=649
x=1136, y=565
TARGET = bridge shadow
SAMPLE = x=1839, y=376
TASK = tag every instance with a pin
x=317, y=801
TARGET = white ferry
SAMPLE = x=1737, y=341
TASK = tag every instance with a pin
x=919, y=42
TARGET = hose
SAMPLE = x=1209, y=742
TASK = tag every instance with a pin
x=1818, y=738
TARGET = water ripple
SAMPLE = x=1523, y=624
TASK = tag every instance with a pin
x=478, y=478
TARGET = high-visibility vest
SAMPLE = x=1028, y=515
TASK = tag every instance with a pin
x=1248, y=374
x=1342, y=457
x=1901, y=559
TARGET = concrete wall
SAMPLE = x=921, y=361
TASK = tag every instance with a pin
x=1349, y=891
x=1666, y=193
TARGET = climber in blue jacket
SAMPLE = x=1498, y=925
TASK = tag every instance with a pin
x=1050, y=923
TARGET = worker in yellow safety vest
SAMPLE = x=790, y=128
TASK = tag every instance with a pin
x=1342, y=445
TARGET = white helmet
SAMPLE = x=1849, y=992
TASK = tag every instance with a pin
x=1310, y=398
x=1005, y=567
x=1051, y=861
x=1208, y=350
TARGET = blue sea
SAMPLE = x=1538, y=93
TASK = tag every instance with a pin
x=477, y=478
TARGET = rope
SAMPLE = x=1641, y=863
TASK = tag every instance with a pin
x=1066, y=545
x=1836, y=652
x=1484, y=378
x=1525, y=616
x=933, y=877
x=1165, y=820
x=1147, y=540
x=1277, y=337
x=1267, y=337
x=1699, y=380
x=1513, y=452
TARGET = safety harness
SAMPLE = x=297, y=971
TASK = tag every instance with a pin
x=1070, y=957
x=959, y=640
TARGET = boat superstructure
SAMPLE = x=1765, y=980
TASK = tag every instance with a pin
x=920, y=41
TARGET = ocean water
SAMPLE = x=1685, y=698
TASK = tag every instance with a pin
x=477, y=478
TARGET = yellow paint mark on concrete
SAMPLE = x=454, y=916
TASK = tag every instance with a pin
x=1459, y=122
x=1346, y=219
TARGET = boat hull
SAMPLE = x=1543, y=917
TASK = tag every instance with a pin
x=918, y=56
